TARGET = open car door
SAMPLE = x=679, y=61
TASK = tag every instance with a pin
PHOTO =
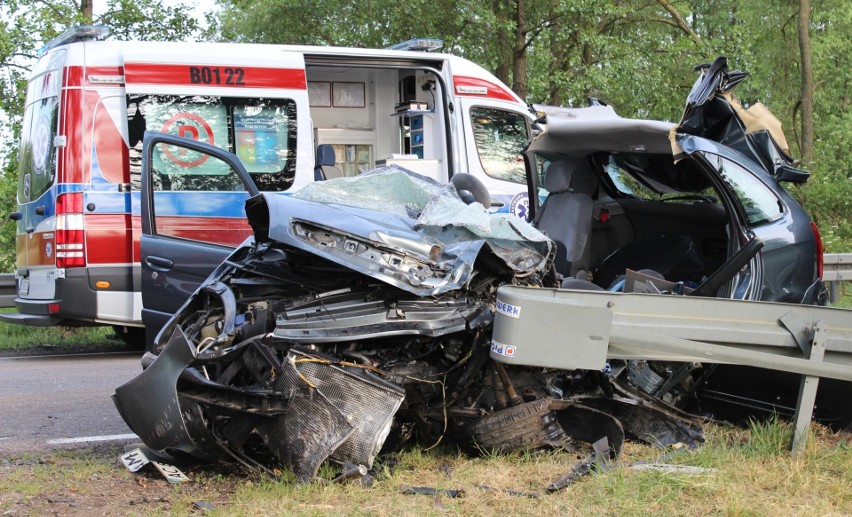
x=179, y=251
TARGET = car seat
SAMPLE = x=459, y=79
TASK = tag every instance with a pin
x=324, y=168
x=566, y=214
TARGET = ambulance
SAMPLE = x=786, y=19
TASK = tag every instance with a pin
x=293, y=115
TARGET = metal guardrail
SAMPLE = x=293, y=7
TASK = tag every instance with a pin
x=838, y=268
x=815, y=342
x=7, y=290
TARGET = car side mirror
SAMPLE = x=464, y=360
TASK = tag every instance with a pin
x=792, y=174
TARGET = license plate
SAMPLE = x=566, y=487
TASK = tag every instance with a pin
x=134, y=460
x=170, y=472
x=24, y=286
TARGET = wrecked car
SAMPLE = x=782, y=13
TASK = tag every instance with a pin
x=360, y=312
x=358, y=316
x=678, y=199
x=700, y=205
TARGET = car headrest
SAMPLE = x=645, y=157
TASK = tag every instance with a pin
x=584, y=181
x=564, y=175
x=558, y=177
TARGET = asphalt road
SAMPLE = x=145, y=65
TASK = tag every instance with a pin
x=62, y=401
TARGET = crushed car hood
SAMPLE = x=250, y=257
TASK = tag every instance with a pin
x=401, y=228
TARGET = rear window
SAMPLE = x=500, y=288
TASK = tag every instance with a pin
x=261, y=132
x=759, y=202
x=654, y=176
x=36, y=154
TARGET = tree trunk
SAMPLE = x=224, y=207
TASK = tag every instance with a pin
x=557, y=51
x=806, y=95
x=86, y=11
x=503, y=43
x=519, y=62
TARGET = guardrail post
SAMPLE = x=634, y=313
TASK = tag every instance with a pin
x=807, y=393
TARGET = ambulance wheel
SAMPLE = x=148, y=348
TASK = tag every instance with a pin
x=132, y=336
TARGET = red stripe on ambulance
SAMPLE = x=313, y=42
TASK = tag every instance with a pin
x=77, y=76
x=476, y=87
x=108, y=238
x=214, y=75
x=226, y=231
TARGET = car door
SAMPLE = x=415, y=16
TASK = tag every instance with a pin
x=784, y=269
x=192, y=218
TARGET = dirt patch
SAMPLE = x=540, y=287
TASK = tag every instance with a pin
x=93, y=482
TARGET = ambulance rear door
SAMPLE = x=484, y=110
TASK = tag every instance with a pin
x=242, y=98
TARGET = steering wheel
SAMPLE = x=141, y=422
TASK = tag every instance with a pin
x=470, y=189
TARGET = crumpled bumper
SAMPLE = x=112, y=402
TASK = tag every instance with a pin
x=150, y=405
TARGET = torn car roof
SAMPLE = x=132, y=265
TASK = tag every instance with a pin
x=583, y=136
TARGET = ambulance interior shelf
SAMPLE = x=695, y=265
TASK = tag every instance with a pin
x=430, y=168
x=411, y=113
x=416, y=127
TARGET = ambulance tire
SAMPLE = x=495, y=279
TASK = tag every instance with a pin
x=132, y=336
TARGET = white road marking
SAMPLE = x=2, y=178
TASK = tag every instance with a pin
x=84, y=439
x=62, y=356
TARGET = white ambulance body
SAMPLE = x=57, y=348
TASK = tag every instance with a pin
x=279, y=108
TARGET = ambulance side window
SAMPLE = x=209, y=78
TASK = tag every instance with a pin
x=180, y=169
x=500, y=137
x=196, y=197
x=261, y=132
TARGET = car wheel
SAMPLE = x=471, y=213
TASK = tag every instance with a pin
x=525, y=426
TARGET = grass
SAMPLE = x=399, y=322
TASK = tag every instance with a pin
x=748, y=472
x=20, y=337
x=845, y=296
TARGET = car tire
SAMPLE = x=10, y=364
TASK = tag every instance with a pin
x=525, y=426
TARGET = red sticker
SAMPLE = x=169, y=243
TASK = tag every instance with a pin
x=189, y=125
